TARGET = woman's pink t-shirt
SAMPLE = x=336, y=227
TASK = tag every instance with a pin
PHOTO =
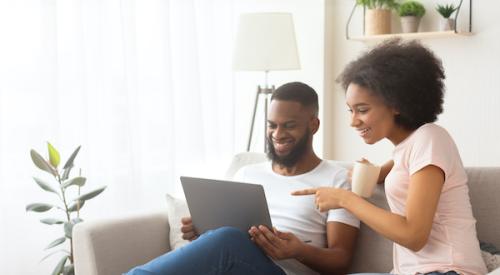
x=452, y=243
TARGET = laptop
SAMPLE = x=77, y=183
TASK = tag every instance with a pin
x=216, y=203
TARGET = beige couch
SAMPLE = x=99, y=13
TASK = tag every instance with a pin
x=111, y=247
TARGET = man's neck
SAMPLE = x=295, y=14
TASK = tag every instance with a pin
x=305, y=164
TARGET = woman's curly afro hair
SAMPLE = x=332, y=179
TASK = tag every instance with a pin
x=405, y=75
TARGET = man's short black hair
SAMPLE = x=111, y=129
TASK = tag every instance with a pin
x=297, y=92
x=405, y=75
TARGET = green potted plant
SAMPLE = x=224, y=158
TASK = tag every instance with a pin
x=378, y=15
x=446, y=23
x=410, y=12
x=69, y=209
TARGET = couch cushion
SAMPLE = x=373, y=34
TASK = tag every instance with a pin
x=484, y=191
x=373, y=253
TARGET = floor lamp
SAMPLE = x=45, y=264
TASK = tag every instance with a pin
x=265, y=42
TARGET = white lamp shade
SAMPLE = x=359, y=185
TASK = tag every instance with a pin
x=265, y=42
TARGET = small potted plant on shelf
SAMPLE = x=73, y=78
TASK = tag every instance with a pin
x=378, y=15
x=446, y=23
x=410, y=12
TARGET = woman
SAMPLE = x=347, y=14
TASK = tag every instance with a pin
x=395, y=91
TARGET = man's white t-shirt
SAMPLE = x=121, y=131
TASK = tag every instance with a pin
x=298, y=214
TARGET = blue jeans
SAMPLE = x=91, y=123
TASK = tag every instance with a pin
x=226, y=250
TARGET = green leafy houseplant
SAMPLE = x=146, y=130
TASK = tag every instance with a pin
x=70, y=207
x=411, y=8
x=378, y=4
x=446, y=10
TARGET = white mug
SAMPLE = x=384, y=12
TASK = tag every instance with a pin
x=364, y=178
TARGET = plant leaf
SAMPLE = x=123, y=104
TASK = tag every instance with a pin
x=91, y=194
x=66, y=172
x=54, y=252
x=54, y=156
x=80, y=181
x=69, y=162
x=68, y=230
x=45, y=186
x=59, y=267
x=56, y=242
x=39, y=207
x=41, y=163
x=69, y=270
x=74, y=206
x=51, y=221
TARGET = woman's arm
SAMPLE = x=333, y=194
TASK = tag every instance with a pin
x=384, y=171
x=410, y=230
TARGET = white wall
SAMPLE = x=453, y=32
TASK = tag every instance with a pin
x=472, y=98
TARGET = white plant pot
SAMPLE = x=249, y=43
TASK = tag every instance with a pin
x=409, y=23
x=446, y=24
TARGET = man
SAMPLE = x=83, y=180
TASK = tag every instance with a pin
x=305, y=241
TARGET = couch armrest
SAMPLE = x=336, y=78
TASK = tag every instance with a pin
x=116, y=245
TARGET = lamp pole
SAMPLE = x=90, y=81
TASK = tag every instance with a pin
x=266, y=91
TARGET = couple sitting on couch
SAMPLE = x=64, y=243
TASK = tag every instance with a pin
x=394, y=91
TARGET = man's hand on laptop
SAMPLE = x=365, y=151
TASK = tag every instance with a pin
x=187, y=229
x=276, y=244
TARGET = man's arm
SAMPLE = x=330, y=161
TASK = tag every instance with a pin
x=336, y=258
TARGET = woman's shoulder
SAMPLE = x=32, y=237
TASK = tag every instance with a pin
x=427, y=136
x=433, y=145
x=432, y=131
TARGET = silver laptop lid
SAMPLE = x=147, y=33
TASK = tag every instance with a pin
x=217, y=203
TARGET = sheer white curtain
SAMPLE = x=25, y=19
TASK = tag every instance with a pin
x=145, y=86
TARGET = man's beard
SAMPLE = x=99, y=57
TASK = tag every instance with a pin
x=291, y=158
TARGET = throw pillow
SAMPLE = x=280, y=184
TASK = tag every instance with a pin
x=176, y=209
x=491, y=256
x=492, y=261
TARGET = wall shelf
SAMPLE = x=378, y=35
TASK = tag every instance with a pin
x=413, y=35
x=419, y=35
